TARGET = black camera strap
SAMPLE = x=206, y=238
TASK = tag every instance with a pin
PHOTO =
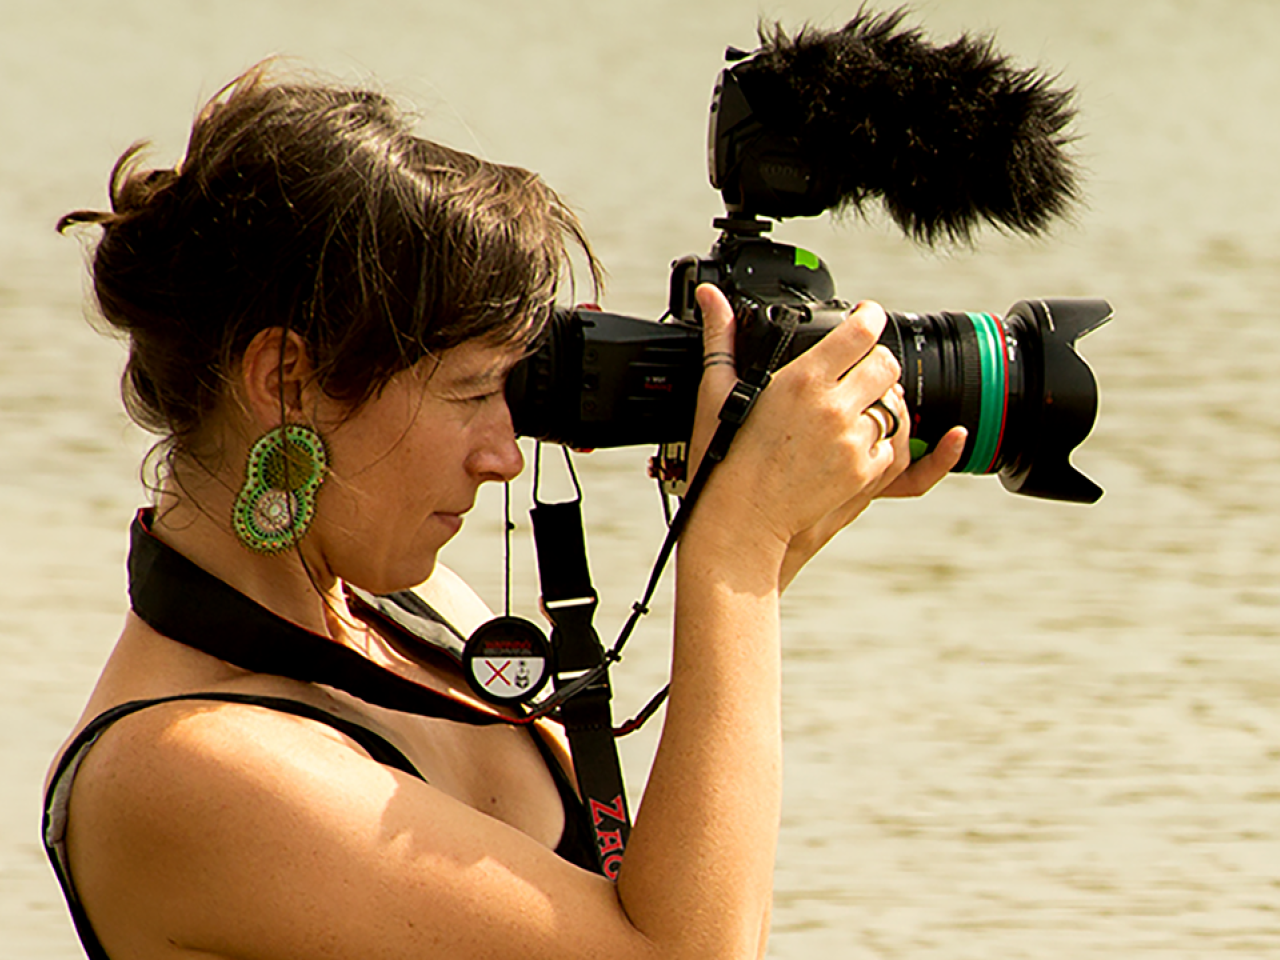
x=189, y=605
x=581, y=674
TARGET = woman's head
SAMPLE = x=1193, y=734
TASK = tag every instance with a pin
x=312, y=208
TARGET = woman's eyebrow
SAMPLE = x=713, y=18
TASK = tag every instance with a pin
x=491, y=375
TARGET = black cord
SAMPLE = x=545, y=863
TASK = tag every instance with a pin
x=507, y=529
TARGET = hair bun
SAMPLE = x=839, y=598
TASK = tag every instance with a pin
x=137, y=190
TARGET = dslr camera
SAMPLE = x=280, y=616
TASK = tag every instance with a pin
x=948, y=138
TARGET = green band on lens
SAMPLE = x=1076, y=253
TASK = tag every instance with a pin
x=991, y=418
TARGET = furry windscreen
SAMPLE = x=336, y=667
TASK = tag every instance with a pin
x=946, y=137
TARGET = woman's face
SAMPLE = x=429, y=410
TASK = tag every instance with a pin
x=406, y=467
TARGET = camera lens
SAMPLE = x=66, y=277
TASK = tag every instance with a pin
x=957, y=368
x=1016, y=383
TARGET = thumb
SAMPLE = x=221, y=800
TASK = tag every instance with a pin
x=718, y=371
x=717, y=327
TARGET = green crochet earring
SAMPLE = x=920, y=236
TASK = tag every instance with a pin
x=278, y=500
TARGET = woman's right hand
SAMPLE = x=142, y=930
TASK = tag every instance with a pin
x=813, y=453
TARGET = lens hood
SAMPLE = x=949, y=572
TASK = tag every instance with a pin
x=1065, y=402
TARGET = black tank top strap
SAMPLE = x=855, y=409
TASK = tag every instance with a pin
x=577, y=842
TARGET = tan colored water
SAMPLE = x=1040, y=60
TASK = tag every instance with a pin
x=1015, y=729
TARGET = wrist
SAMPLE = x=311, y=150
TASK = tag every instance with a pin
x=728, y=540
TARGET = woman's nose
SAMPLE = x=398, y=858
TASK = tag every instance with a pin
x=498, y=457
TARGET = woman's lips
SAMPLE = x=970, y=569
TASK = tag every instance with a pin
x=451, y=520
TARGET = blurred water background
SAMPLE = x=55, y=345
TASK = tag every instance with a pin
x=1015, y=728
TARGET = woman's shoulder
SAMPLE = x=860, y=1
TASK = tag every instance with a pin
x=161, y=703
x=200, y=743
x=186, y=800
x=164, y=757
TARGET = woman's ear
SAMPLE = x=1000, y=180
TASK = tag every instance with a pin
x=274, y=373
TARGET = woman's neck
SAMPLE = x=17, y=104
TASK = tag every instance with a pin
x=196, y=523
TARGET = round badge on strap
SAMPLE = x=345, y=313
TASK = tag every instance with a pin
x=507, y=660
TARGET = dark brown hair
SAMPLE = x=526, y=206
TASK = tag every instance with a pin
x=310, y=206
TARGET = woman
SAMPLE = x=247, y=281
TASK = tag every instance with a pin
x=322, y=310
